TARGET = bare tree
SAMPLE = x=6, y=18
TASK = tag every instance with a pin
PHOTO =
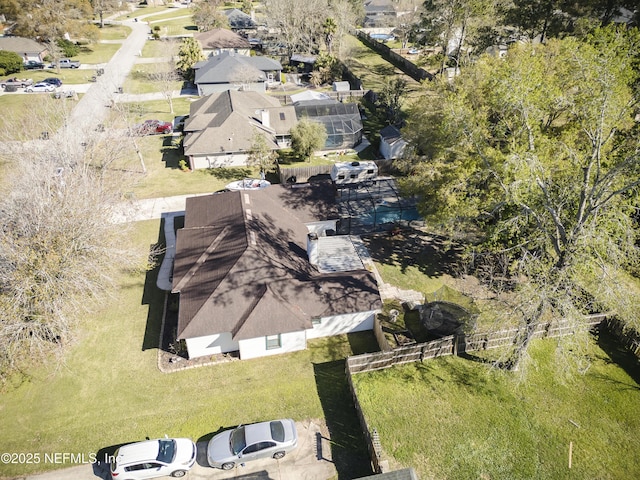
x=299, y=24
x=59, y=249
x=166, y=74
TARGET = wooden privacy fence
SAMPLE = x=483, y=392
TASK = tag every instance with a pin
x=456, y=344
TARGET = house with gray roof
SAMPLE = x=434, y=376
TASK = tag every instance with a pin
x=220, y=128
x=230, y=71
x=218, y=40
x=238, y=20
x=245, y=280
x=25, y=47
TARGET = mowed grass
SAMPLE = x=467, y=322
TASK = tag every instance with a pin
x=108, y=389
x=453, y=418
x=371, y=68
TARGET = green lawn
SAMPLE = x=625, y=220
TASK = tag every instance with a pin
x=114, y=32
x=138, y=81
x=371, y=68
x=107, y=389
x=98, y=52
x=453, y=418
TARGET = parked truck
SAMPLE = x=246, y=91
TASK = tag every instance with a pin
x=66, y=63
x=16, y=82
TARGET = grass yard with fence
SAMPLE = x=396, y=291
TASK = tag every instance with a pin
x=457, y=419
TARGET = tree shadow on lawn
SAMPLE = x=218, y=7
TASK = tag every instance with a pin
x=231, y=173
x=620, y=356
x=348, y=447
x=432, y=255
x=171, y=154
x=154, y=298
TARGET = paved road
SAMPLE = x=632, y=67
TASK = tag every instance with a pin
x=310, y=461
x=92, y=108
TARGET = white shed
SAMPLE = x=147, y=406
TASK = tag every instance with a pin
x=392, y=144
x=341, y=86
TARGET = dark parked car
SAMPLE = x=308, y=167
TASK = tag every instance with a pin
x=56, y=82
x=152, y=127
x=33, y=65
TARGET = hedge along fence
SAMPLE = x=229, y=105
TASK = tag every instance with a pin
x=457, y=344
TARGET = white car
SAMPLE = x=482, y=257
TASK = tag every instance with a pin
x=153, y=458
x=40, y=87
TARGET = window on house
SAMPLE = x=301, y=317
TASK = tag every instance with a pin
x=281, y=115
x=273, y=341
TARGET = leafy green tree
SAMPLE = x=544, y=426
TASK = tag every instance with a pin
x=68, y=48
x=390, y=98
x=329, y=28
x=10, y=62
x=189, y=54
x=538, y=153
x=307, y=137
x=46, y=20
x=260, y=154
x=247, y=6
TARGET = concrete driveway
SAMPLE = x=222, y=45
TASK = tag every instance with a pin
x=310, y=461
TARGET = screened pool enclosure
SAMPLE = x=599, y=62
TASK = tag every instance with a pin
x=341, y=120
x=373, y=206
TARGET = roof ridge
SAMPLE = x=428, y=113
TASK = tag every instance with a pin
x=201, y=259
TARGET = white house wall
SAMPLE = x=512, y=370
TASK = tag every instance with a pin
x=218, y=161
x=257, y=347
x=211, y=345
x=340, y=324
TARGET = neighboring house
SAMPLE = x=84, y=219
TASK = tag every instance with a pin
x=341, y=120
x=246, y=285
x=303, y=62
x=25, y=47
x=220, y=128
x=379, y=13
x=218, y=40
x=229, y=71
x=392, y=144
x=238, y=20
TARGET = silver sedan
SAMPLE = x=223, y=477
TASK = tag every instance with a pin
x=251, y=442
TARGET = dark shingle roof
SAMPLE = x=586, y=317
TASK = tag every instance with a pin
x=241, y=266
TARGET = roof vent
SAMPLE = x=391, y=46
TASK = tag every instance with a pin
x=355, y=164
